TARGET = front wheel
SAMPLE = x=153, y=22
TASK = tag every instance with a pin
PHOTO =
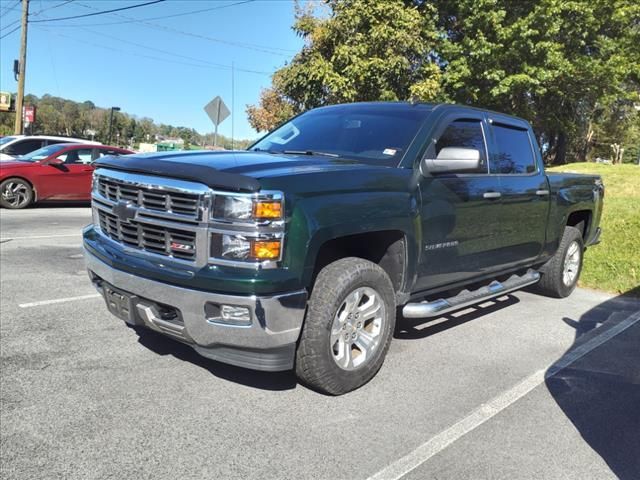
x=348, y=326
x=15, y=193
x=560, y=274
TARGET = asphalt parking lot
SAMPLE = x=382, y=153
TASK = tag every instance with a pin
x=524, y=387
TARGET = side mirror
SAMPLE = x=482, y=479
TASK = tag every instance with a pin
x=56, y=162
x=453, y=159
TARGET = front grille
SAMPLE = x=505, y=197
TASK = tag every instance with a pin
x=173, y=242
x=151, y=199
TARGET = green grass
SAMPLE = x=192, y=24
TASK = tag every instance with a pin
x=614, y=264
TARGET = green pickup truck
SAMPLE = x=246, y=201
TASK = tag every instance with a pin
x=300, y=252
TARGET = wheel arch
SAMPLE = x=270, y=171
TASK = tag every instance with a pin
x=387, y=248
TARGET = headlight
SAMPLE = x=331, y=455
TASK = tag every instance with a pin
x=244, y=248
x=247, y=208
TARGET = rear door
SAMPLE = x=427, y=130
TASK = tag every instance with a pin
x=24, y=146
x=459, y=213
x=524, y=190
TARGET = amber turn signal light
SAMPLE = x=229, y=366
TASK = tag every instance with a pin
x=267, y=210
x=265, y=250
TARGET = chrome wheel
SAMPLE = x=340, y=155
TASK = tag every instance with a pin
x=16, y=194
x=357, y=328
x=571, y=264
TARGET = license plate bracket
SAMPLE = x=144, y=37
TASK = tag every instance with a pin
x=120, y=303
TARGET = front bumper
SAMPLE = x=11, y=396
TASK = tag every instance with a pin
x=267, y=343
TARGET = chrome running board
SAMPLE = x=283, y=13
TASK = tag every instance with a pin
x=466, y=298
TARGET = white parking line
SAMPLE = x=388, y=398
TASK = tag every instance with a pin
x=58, y=300
x=424, y=452
x=4, y=239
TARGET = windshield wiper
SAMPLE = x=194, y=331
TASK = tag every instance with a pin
x=310, y=152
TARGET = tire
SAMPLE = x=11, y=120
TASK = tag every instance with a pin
x=348, y=326
x=561, y=273
x=15, y=193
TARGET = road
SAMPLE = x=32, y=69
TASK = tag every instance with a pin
x=523, y=387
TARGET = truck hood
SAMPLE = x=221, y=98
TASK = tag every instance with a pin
x=238, y=171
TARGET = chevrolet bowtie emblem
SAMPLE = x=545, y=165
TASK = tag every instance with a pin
x=125, y=211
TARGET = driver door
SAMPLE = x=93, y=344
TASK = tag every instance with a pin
x=459, y=212
x=72, y=179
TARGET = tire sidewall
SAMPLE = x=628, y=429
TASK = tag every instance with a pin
x=4, y=204
x=571, y=235
x=324, y=312
x=361, y=373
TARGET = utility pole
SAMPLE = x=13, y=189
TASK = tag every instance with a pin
x=113, y=109
x=23, y=67
x=233, y=116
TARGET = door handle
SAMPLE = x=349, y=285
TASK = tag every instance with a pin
x=542, y=193
x=491, y=195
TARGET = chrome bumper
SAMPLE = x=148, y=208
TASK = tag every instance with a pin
x=267, y=343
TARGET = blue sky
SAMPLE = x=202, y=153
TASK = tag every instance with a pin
x=176, y=74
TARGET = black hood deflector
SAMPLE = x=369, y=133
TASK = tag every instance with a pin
x=194, y=172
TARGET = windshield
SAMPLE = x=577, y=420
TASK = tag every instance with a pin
x=4, y=140
x=370, y=133
x=41, y=153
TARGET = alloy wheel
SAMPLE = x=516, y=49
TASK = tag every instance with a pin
x=357, y=328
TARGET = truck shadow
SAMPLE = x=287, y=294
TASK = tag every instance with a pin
x=251, y=378
x=277, y=381
x=600, y=392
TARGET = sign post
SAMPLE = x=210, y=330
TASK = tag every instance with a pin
x=217, y=112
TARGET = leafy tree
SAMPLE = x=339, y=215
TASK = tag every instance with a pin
x=570, y=67
x=362, y=51
x=553, y=62
x=58, y=116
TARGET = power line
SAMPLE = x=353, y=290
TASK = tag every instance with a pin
x=213, y=64
x=98, y=13
x=9, y=25
x=9, y=33
x=192, y=12
x=49, y=8
x=260, y=48
x=119, y=50
x=12, y=7
x=37, y=13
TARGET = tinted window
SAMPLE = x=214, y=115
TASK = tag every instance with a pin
x=54, y=142
x=514, y=153
x=4, y=140
x=464, y=134
x=23, y=147
x=115, y=153
x=367, y=133
x=42, y=153
x=82, y=155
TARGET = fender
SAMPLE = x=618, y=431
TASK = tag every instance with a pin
x=317, y=220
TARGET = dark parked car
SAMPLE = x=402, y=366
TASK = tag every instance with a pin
x=58, y=172
x=297, y=253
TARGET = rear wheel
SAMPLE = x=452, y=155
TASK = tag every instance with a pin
x=15, y=193
x=561, y=273
x=348, y=326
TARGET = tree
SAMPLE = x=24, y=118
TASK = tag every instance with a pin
x=362, y=51
x=552, y=62
x=557, y=63
x=273, y=109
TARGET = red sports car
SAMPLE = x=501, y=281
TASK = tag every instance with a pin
x=56, y=172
